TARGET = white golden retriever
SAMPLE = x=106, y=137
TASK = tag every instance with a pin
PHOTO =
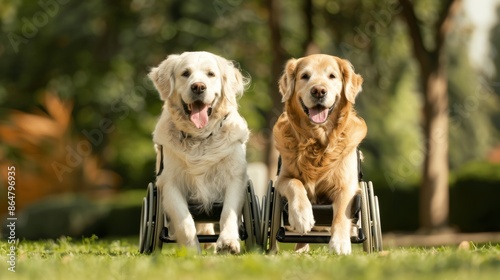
x=203, y=140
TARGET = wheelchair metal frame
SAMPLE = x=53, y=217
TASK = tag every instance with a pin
x=365, y=219
x=154, y=232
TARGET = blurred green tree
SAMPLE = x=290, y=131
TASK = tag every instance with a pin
x=431, y=58
x=494, y=81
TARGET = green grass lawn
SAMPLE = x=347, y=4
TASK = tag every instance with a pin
x=91, y=258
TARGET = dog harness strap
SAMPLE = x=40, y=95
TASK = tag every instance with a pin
x=279, y=166
x=360, y=171
x=160, y=169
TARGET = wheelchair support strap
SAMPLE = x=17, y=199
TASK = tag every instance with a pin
x=360, y=171
x=160, y=169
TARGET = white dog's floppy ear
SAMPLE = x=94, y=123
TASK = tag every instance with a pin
x=287, y=80
x=163, y=76
x=233, y=82
x=352, y=81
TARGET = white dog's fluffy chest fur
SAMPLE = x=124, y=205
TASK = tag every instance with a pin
x=203, y=163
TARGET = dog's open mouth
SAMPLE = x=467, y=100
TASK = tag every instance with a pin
x=317, y=114
x=198, y=112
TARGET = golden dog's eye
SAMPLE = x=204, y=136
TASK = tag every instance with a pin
x=305, y=76
x=211, y=74
x=332, y=76
x=186, y=73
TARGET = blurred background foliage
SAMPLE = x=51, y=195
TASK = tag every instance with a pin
x=77, y=110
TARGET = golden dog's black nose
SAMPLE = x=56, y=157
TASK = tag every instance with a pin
x=198, y=88
x=318, y=91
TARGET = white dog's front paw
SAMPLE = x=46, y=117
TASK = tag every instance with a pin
x=228, y=246
x=300, y=216
x=340, y=245
x=228, y=241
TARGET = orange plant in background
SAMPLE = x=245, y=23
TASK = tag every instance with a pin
x=494, y=155
x=48, y=157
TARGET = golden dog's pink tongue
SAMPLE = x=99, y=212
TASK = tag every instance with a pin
x=318, y=114
x=199, y=114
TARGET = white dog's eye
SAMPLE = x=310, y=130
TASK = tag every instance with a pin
x=211, y=74
x=186, y=73
x=332, y=76
x=305, y=76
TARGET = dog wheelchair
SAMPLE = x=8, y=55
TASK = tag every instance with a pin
x=154, y=230
x=365, y=229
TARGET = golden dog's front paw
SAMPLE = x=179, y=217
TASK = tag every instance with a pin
x=340, y=245
x=300, y=216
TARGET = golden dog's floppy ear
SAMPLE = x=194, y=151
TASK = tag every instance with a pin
x=163, y=76
x=352, y=81
x=287, y=80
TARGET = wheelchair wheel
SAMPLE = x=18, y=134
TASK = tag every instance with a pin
x=146, y=226
x=251, y=218
x=265, y=216
x=377, y=230
x=365, y=218
x=159, y=219
x=151, y=221
x=275, y=220
x=143, y=225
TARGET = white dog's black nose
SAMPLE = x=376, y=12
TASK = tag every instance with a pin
x=318, y=91
x=198, y=88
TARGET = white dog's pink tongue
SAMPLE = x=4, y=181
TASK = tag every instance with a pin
x=199, y=114
x=318, y=114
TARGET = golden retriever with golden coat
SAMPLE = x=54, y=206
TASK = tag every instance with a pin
x=317, y=136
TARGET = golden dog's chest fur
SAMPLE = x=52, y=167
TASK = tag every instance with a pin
x=318, y=162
